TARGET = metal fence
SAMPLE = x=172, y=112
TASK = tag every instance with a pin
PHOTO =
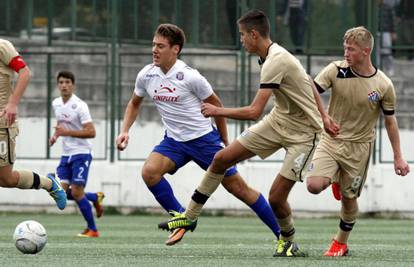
x=99, y=41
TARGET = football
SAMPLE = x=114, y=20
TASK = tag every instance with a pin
x=30, y=237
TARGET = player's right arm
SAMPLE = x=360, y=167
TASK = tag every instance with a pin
x=330, y=126
x=130, y=115
x=320, y=84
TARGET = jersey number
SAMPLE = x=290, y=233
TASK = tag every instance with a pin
x=356, y=183
x=81, y=169
x=299, y=161
x=3, y=147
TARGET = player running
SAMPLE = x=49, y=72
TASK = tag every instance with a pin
x=10, y=62
x=293, y=124
x=75, y=126
x=178, y=92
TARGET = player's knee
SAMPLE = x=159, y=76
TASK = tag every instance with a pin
x=150, y=175
x=77, y=194
x=220, y=163
x=314, y=185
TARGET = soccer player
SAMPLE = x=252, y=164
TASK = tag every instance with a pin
x=360, y=92
x=10, y=62
x=178, y=92
x=293, y=124
x=75, y=126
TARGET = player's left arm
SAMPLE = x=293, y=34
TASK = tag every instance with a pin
x=87, y=131
x=401, y=166
x=221, y=124
x=251, y=112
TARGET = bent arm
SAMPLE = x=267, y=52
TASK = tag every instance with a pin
x=251, y=112
x=21, y=84
x=131, y=112
x=318, y=99
x=87, y=131
x=220, y=121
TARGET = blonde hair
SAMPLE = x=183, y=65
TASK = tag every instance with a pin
x=361, y=36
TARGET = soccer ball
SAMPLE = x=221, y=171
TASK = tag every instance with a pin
x=30, y=237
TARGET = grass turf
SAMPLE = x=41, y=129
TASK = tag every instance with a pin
x=217, y=241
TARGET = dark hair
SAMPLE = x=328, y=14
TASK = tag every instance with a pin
x=255, y=20
x=174, y=34
x=66, y=74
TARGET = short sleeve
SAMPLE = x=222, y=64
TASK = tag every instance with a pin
x=84, y=113
x=54, y=103
x=389, y=101
x=7, y=52
x=272, y=75
x=139, y=89
x=200, y=86
x=324, y=79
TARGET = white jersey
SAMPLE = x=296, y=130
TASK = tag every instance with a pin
x=72, y=115
x=178, y=96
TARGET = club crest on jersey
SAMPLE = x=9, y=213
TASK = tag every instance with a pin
x=180, y=76
x=373, y=96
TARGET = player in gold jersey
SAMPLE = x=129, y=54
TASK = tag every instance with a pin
x=293, y=124
x=360, y=92
x=11, y=62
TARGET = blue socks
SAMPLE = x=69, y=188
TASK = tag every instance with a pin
x=86, y=210
x=164, y=194
x=90, y=196
x=265, y=213
x=85, y=207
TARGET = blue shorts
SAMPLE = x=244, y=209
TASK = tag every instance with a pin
x=200, y=150
x=74, y=169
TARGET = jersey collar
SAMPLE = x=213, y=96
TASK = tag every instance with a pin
x=261, y=60
x=177, y=65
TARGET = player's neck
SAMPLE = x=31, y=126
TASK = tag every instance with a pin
x=167, y=66
x=263, y=48
x=364, y=69
x=65, y=98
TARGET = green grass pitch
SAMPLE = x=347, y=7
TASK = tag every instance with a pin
x=217, y=241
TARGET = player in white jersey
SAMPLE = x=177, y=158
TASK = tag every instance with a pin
x=11, y=62
x=75, y=126
x=178, y=92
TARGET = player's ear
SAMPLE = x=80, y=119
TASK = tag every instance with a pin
x=366, y=51
x=255, y=34
x=176, y=49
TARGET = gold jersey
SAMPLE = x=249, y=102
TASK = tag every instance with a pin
x=356, y=100
x=7, y=53
x=294, y=104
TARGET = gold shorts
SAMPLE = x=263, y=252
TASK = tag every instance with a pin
x=263, y=140
x=8, y=145
x=344, y=162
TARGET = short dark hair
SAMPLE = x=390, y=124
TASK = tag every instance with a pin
x=257, y=20
x=66, y=74
x=174, y=34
